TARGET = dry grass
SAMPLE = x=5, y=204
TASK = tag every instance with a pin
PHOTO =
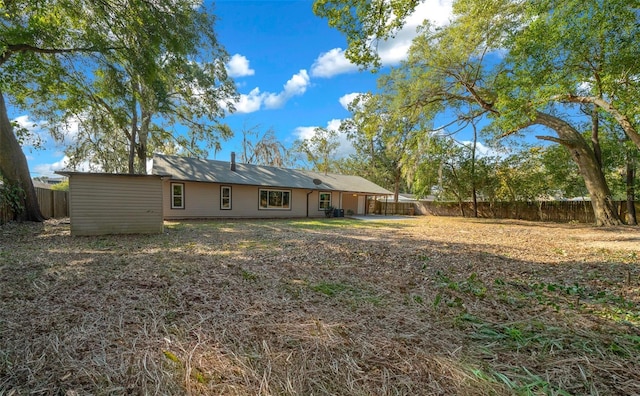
x=433, y=306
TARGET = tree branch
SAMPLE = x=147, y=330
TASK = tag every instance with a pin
x=552, y=139
x=16, y=48
x=621, y=118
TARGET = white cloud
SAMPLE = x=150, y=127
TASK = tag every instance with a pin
x=482, y=150
x=344, y=149
x=585, y=87
x=439, y=12
x=394, y=50
x=332, y=63
x=345, y=100
x=238, y=66
x=50, y=169
x=249, y=103
x=296, y=86
x=304, y=132
x=254, y=100
x=70, y=130
x=39, y=131
x=36, y=133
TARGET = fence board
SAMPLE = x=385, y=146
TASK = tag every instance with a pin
x=555, y=211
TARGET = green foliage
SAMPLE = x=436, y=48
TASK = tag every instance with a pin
x=508, y=65
x=125, y=86
x=12, y=197
x=267, y=150
x=383, y=133
x=319, y=149
x=171, y=356
x=332, y=288
x=349, y=293
x=62, y=186
x=248, y=275
x=364, y=23
x=472, y=285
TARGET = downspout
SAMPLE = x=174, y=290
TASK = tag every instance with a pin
x=309, y=193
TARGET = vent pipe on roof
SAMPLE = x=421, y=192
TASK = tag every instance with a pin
x=233, y=161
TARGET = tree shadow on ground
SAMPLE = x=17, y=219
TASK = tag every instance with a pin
x=242, y=307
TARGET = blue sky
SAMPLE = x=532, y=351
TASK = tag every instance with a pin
x=289, y=68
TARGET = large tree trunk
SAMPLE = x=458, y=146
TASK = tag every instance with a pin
x=631, y=193
x=143, y=138
x=14, y=167
x=396, y=185
x=601, y=200
x=474, y=192
x=133, y=136
x=595, y=135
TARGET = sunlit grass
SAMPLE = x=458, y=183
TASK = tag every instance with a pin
x=333, y=223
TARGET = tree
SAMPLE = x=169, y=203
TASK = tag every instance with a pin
x=319, y=148
x=451, y=170
x=457, y=65
x=267, y=150
x=49, y=51
x=161, y=86
x=36, y=42
x=580, y=52
x=382, y=131
x=364, y=23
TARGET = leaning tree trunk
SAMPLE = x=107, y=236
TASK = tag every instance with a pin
x=631, y=193
x=601, y=200
x=143, y=138
x=14, y=167
x=396, y=185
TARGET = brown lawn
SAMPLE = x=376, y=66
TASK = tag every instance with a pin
x=429, y=306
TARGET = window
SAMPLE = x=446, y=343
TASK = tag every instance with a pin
x=177, y=196
x=325, y=201
x=275, y=199
x=225, y=197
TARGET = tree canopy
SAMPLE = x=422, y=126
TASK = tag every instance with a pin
x=134, y=75
x=513, y=65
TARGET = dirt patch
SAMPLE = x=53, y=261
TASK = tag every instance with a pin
x=434, y=306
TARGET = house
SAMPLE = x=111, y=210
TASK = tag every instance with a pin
x=200, y=188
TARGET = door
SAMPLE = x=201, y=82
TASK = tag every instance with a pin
x=361, y=204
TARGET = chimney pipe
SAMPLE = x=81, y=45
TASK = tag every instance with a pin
x=233, y=161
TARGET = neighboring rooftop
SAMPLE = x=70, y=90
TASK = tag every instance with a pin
x=200, y=170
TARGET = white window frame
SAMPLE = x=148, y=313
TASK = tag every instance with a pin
x=321, y=201
x=269, y=191
x=222, y=198
x=174, y=195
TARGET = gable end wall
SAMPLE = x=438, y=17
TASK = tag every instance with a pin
x=115, y=204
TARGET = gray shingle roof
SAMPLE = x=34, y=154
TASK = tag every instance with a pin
x=192, y=169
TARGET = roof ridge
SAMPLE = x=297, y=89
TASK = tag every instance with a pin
x=217, y=171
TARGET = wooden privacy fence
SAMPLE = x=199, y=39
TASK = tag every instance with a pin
x=558, y=211
x=53, y=204
x=392, y=208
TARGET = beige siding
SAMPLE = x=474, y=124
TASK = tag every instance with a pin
x=349, y=203
x=115, y=204
x=202, y=200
